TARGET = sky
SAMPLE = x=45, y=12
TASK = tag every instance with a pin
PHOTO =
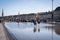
x=13, y=7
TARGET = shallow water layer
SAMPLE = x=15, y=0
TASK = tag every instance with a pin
x=29, y=31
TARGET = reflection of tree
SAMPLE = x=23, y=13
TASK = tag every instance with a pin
x=57, y=30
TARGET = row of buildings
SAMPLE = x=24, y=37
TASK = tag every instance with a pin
x=32, y=16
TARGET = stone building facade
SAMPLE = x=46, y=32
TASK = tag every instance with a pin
x=32, y=16
x=56, y=14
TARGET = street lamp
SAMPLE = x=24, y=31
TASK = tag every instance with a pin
x=52, y=10
x=52, y=19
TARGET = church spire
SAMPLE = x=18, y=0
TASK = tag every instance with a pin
x=2, y=13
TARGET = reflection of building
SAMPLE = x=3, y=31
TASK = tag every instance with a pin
x=57, y=30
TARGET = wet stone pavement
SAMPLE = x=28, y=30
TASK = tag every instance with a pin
x=2, y=32
x=29, y=31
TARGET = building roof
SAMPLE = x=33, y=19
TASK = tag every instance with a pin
x=57, y=9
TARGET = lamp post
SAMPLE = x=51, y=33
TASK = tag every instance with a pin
x=52, y=10
x=52, y=19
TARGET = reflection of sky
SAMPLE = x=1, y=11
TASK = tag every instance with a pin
x=12, y=7
x=27, y=33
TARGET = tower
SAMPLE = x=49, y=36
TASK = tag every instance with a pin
x=2, y=16
x=2, y=13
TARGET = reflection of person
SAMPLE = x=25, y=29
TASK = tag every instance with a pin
x=36, y=29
